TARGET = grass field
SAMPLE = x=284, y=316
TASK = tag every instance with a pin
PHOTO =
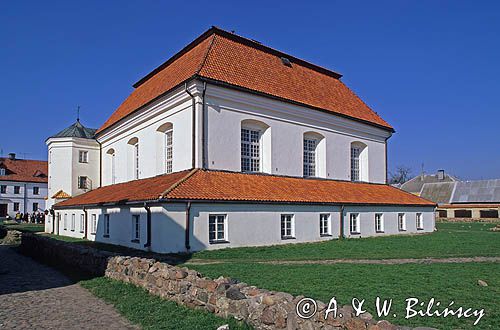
x=451, y=240
x=443, y=281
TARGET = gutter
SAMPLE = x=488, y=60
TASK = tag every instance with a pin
x=188, y=227
x=193, y=137
x=148, y=226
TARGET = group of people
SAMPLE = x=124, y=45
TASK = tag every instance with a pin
x=35, y=217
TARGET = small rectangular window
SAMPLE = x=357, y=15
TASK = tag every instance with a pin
x=73, y=222
x=2, y=171
x=287, y=226
x=324, y=225
x=354, y=223
x=82, y=223
x=17, y=189
x=16, y=206
x=136, y=228
x=83, y=156
x=82, y=182
x=420, y=222
x=65, y=222
x=36, y=190
x=106, y=225
x=355, y=152
x=379, y=223
x=217, y=228
x=93, y=227
x=136, y=161
x=401, y=221
x=35, y=207
x=3, y=189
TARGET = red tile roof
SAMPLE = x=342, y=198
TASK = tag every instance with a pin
x=210, y=185
x=24, y=170
x=222, y=57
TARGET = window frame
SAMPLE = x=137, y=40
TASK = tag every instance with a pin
x=136, y=228
x=322, y=222
x=3, y=189
x=35, y=207
x=379, y=227
x=355, y=163
x=93, y=224
x=2, y=171
x=402, y=221
x=17, y=190
x=357, y=217
x=36, y=190
x=84, y=185
x=83, y=156
x=419, y=221
x=284, y=218
x=136, y=161
x=73, y=222
x=309, y=157
x=216, y=221
x=106, y=225
x=82, y=223
x=169, y=150
x=65, y=221
x=16, y=206
x=251, y=154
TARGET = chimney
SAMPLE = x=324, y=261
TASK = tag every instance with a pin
x=12, y=156
x=440, y=174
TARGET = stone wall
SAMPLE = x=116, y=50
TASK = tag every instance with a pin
x=263, y=309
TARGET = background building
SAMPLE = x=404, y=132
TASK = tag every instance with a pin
x=23, y=185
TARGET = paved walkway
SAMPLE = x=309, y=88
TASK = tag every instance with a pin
x=355, y=261
x=35, y=296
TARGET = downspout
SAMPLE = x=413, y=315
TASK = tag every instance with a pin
x=188, y=227
x=203, y=142
x=53, y=214
x=193, y=138
x=85, y=220
x=26, y=200
x=148, y=226
x=100, y=163
x=341, y=233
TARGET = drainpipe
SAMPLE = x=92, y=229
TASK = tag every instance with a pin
x=100, y=163
x=53, y=214
x=25, y=199
x=188, y=227
x=203, y=144
x=85, y=220
x=193, y=138
x=341, y=233
x=148, y=227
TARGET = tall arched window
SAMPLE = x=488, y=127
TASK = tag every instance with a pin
x=255, y=148
x=167, y=130
x=313, y=157
x=134, y=142
x=111, y=155
x=359, y=161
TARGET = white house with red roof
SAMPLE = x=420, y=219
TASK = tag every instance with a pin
x=23, y=186
x=231, y=143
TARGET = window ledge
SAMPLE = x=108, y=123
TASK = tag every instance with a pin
x=287, y=237
x=420, y=228
x=135, y=241
x=402, y=229
x=92, y=234
x=219, y=242
x=72, y=230
x=325, y=235
x=105, y=236
x=379, y=231
x=355, y=233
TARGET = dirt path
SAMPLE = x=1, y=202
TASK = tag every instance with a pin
x=355, y=261
x=35, y=296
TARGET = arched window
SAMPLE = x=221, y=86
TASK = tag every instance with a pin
x=134, y=142
x=359, y=161
x=167, y=130
x=255, y=146
x=313, y=155
x=111, y=155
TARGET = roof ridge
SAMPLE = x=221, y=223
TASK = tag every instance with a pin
x=176, y=184
x=205, y=57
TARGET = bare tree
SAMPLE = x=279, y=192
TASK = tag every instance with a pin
x=401, y=175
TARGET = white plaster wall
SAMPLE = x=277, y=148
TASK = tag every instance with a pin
x=227, y=109
x=390, y=215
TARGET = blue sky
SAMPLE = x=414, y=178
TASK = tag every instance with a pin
x=430, y=68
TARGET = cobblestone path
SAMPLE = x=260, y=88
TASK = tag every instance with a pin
x=35, y=296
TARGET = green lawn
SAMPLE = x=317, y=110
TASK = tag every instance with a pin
x=451, y=240
x=25, y=227
x=152, y=312
x=444, y=282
